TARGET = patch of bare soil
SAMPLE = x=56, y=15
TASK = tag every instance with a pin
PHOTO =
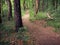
x=40, y=33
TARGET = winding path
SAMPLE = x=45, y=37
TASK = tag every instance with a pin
x=40, y=34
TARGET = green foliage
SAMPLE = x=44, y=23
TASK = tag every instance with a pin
x=4, y=43
x=23, y=12
x=4, y=9
x=1, y=27
x=22, y=34
x=32, y=18
x=22, y=29
x=39, y=16
x=6, y=29
x=56, y=22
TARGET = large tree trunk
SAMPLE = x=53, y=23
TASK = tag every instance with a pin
x=17, y=14
x=9, y=9
x=0, y=13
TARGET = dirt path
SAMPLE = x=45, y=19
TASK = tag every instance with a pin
x=41, y=34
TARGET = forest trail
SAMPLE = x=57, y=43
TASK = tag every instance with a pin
x=40, y=33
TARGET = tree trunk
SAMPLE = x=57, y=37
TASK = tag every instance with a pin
x=17, y=14
x=24, y=5
x=56, y=5
x=0, y=13
x=36, y=7
x=42, y=5
x=9, y=9
x=39, y=5
x=47, y=4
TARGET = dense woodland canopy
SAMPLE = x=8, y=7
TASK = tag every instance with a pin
x=12, y=11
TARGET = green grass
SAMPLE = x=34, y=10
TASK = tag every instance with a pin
x=23, y=34
x=23, y=12
x=56, y=21
x=32, y=18
x=39, y=16
x=54, y=24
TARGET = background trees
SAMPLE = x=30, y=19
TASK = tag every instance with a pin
x=0, y=13
x=9, y=9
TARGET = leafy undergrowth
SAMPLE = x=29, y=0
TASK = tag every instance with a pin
x=56, y=21
x=23, y=12
x=39, y=16
x=55, y=24
x=7, y=33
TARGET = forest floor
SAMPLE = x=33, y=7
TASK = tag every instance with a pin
x=40, y=33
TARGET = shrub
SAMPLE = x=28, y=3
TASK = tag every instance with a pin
x=56, y=22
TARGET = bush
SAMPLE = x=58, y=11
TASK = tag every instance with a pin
x=32, y=18
x=4, y=43
x=22, y=34
x=39, y=16
x=56, y=22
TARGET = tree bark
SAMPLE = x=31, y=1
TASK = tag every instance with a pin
x=36, y=7
x=42, y=5
x=9, y=9
x=39, y=5
x=17, y=14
